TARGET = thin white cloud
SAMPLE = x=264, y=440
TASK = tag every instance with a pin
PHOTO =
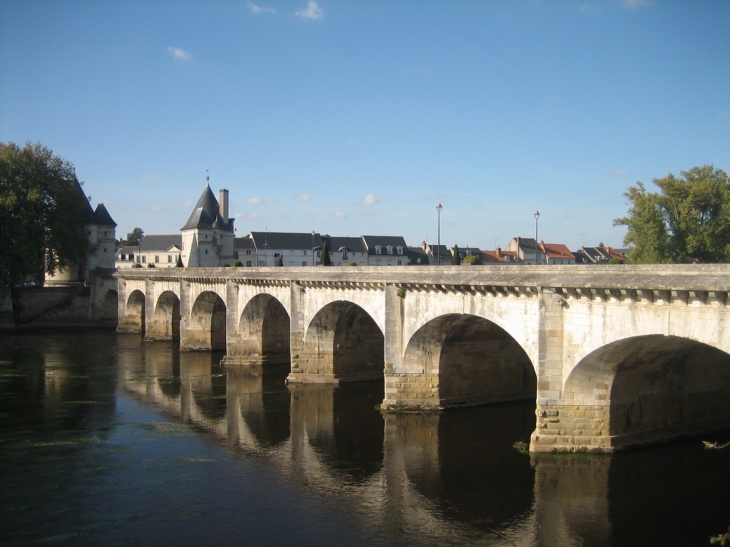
x=340, y=214
x=150, y=178
x=312, y=11
x=185, y=203
x=619, y=173
x=370, y=199
x=259, y=9
x=633, y=4
x=157, y=208
x=259, y=201
x=590, y=9
x=304, y=198
x=180, y=54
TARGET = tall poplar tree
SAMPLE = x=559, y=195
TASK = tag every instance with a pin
x=324, y=259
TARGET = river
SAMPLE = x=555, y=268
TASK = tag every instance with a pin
x=109, y=440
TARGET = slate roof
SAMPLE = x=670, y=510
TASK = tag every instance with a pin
x=88, y=212
x=102, y=217
x=414, y=253
x=440, y=251
x=596, y=255
x=126, y=250
x=243, y=243
x=160, y=242
x=286, y=240
x=352, y=244
x=206, y=213
x=394, y=241
x=527, y=244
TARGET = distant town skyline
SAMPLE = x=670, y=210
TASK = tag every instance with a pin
x=357, y=118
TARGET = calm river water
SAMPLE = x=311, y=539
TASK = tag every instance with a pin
x=108, y=440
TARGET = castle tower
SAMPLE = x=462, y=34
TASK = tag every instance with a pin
x=207, y=237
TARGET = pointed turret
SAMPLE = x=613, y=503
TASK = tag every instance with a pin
x=208, y=235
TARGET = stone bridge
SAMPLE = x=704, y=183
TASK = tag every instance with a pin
x=614, y=356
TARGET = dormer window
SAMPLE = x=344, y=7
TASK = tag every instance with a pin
x=400, y=250
x=390, y=249
x=378, y=250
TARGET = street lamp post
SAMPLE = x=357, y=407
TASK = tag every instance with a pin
x=312, y=247
x=438, y=248
x=537, y=244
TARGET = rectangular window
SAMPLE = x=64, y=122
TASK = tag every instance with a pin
x=400, y=263
x=277, y=255
x=169, y=259
x=304, y=263
x=248, y=263
x=144, y=259
x=248, y=251
x=157, y=258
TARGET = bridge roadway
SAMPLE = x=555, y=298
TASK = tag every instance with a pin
x=614, y=356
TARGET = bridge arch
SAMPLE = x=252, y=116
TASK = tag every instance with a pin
x=165, y=323
x=344, y=344
x=135, y=312
x=462, y=360
x=109, y=306
x=263, y=335
x=206, y=326
x=654, y=386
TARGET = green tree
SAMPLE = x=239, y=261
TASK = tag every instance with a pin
x=455, y=256
x=135, y=236
x=687, y=220
x=42, y=213
x=472, y=259
x=324, y=259
x=279, y=262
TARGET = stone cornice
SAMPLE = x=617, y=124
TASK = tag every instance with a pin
x=477, y=279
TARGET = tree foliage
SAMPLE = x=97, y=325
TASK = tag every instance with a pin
x=688, y=220
x=472, y=259
x=42, y=210
x=135, y=236
x=324, y=259
x=455, y=256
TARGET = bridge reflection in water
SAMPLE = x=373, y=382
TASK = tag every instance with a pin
x=433, y=478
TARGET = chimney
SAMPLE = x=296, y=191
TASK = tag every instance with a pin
x=499, y=252
x=223, y=204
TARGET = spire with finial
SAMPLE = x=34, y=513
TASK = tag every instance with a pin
x=207, y=177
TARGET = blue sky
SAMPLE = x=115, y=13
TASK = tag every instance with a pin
x=357, y=117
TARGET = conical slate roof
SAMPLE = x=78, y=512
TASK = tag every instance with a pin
x=206, y=213
x=102, y=217
x=88, y=209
